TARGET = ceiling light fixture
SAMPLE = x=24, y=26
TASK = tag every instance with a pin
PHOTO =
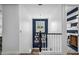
x=40, y=4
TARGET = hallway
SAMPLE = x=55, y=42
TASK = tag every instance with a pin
x=23, y=26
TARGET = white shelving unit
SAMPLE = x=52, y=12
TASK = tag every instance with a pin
x=72, y=23
x=0, y=28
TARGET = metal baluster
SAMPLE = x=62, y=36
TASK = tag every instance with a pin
x=54, y=43
x=60, y=43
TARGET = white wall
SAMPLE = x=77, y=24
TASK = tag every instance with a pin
x=28, y=12
x=10, y=41
x=0, y=20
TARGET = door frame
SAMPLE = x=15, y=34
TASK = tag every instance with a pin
x=33, y=30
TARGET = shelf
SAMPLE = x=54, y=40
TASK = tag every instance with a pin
x=72, y=28
x=75, y=13
x=72, y=11
x=73, y=21
x=72, y=31
x=74, y=24
x=72, y=34
x=72, y=18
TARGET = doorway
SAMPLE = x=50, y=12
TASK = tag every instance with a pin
x=39, y=25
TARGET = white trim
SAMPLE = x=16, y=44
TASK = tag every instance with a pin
x=10, y=53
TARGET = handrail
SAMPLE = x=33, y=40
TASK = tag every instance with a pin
x=54, y=33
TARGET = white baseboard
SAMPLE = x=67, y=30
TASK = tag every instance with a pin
x=10, y=53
